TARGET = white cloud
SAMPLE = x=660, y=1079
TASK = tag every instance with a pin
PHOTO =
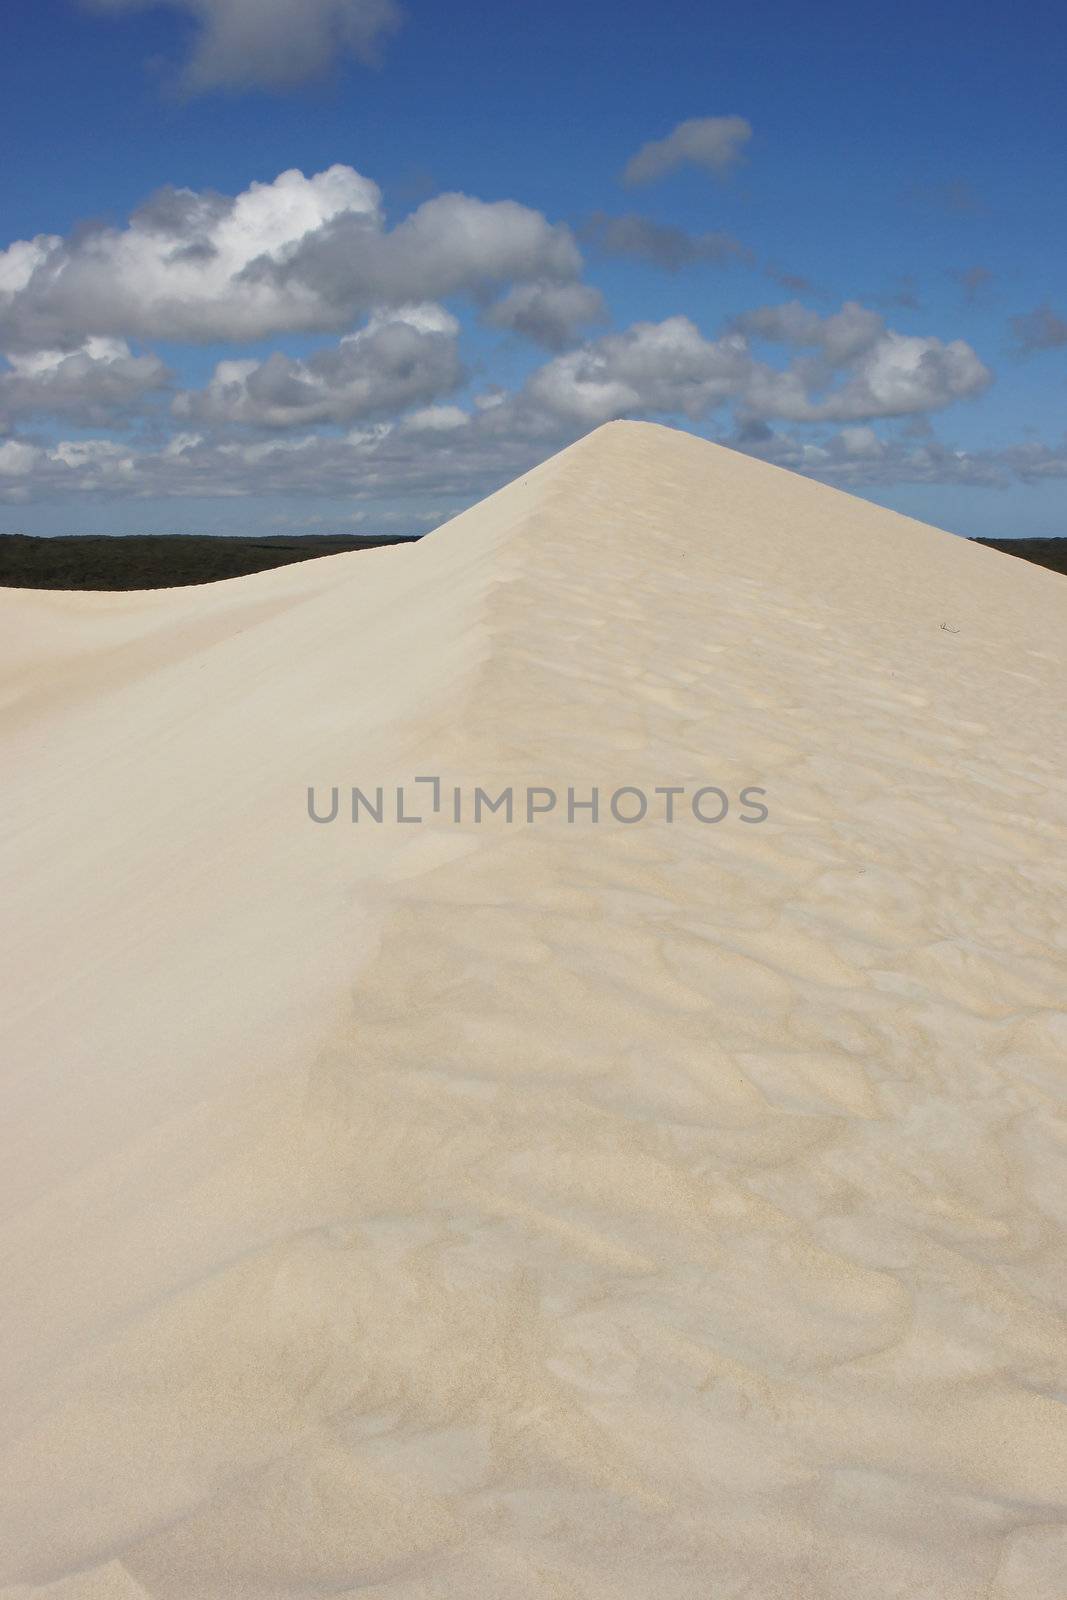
x=904, y=373
x=410, y=455
x=401, y=358
x=18, y=459
x=1033, y=462
x=714, y=143
x=548, y=313
x=296, y=255
x=452, y=244
x=861, y=369
x=435, y=462
x=273, y=44
x=861, y=444
x=176, y=270
x=439, y=457
x=839, y=338
x=858, y=458
x=670, y=367
x=20, y=261
x=661, y=367
x=93, y=386
x=436, y=419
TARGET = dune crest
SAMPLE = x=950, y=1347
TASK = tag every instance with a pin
x=577, y=1208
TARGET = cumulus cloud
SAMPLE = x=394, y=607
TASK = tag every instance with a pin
x=714, y=143
x=670, y=368
x=273, y=44
x=661, y=244
x=435, y=461
x=92, y=386
x=296, y=255
x=404, y=447
x=549, y=314
x=664, y=367
x=403, y=361
x=882, y=373
x=400, y=359
x=452, y=244
x=1041, y=329
x=1033, y=461
x=858, y=458
x=861, y=370
x=435, y=419
x=839, y=337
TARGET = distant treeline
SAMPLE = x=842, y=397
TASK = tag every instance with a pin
x=155, y=561
x=1050, y=553
x=169, y=560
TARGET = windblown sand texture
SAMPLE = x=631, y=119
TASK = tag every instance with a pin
x=454, y=1212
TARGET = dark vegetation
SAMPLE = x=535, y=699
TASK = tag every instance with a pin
x=168, y=560
x=1051, y=553
x=154, y=561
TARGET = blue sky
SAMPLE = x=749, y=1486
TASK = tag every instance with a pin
x=843, y=252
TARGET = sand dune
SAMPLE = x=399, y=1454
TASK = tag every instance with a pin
x=549, y=1208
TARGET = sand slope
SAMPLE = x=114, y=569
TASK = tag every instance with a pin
x=554, y=1210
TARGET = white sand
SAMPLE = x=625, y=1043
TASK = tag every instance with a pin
x=666, y=1212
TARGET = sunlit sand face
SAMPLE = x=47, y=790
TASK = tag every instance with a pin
x=489, y=1208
